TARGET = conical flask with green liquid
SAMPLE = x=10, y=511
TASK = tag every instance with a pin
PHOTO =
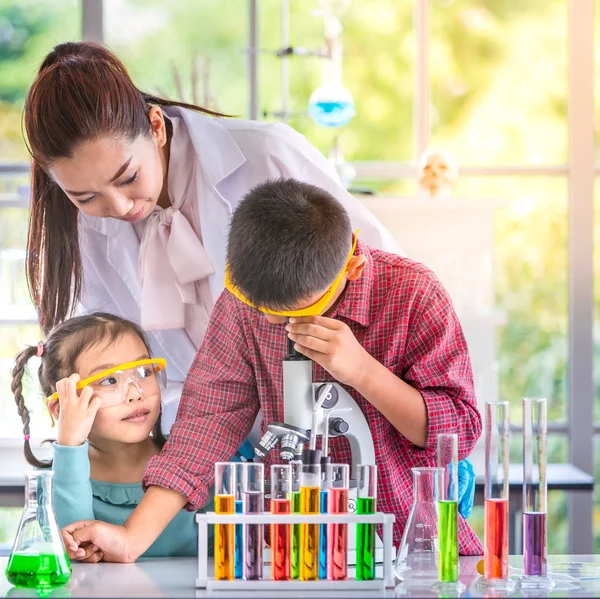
x=38, y=558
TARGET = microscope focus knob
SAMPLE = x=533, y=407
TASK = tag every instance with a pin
x=338, y=426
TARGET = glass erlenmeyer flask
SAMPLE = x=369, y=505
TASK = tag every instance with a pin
x=38, y=558
x=417, y=561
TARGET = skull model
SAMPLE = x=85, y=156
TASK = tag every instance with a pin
x=437, y=174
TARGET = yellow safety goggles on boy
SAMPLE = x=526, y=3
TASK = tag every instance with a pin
x=315, y=309
x=112, y=384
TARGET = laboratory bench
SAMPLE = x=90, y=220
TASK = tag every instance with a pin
x=176, y=577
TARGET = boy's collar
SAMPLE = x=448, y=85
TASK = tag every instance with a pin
x=355, y=302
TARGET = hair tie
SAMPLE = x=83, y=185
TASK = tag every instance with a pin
x=26, y=437
x=40, y=349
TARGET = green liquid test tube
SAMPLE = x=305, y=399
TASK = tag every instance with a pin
x=296, y=473
x=447, y=446
x=365, y=533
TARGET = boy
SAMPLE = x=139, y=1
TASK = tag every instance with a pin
x=379, y=324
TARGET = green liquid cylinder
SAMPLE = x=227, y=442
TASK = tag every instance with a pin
x=365, y=541
x=38, y=571
x=296, y=537
x=448, y=539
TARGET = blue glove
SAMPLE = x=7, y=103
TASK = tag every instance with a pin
x=245, y=453
x=466, y=488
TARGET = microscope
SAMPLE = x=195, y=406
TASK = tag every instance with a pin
x=319, y=409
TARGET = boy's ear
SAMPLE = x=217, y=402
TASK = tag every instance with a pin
x=356, y=267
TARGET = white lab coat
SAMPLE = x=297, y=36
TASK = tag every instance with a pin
x=233, y=155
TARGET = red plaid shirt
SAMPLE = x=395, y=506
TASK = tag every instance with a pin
x=400, y=313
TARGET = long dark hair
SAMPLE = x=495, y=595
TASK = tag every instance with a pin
x=62, y=347
x=82, y=91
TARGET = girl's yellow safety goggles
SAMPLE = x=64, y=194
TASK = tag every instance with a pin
x=112, y=384
x=315, y=309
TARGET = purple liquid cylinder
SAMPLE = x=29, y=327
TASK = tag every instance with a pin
x=534, y=543
x=535, y=487
x=253, y=538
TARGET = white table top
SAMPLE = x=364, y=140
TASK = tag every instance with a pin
x=175, y=577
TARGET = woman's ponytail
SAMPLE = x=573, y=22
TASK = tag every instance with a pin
x=54, y=270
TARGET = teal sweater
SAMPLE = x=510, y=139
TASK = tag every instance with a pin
x=78, y=497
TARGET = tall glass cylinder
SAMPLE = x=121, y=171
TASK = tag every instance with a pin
x=253, y=488
x=496, y=489
x=281, y=538
x=310, y=496
x=239, y=509
x=447, y=446
x=366, y=503
x=224, y=533
x=296, y=466
x=338, y=479
x=534, y=485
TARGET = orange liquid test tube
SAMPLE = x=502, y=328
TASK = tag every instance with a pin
x=224, y=533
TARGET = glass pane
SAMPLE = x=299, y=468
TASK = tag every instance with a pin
x=597, y=300
x=28, y=30
x=9, y=522
x=499, y=80
x=378, y=70
x=500, y=249
x=597, y=79
x=160, y=43
x=15, y=312
x=596, y=525
x=530, y=243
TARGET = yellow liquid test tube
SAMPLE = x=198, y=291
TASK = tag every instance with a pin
x=310, y=503
x=224, y=533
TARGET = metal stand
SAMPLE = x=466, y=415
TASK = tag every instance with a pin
x=210, y=584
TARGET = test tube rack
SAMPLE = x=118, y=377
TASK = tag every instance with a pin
x=204, y=581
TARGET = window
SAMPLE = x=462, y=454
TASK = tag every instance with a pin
x=489, y=82
x=28, y=30
x=163, y=44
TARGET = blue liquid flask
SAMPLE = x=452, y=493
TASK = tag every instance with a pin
x=331, y=106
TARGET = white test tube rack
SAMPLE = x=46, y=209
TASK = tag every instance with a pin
x=378, y=583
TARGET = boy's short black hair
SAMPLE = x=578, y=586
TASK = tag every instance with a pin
x=287, y=241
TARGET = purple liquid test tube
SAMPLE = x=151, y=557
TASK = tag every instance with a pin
x=253, y=493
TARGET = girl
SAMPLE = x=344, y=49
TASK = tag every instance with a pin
x=131, y=199
x=108, y=430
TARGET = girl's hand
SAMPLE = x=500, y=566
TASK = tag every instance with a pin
x=111, y=540
x=77, y=411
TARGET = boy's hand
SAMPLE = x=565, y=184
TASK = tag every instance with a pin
x=86, y=552
x=331, y=344
x=77, y=411
x=112, y=541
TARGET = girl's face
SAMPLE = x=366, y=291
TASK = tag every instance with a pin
x=116, y=178
x=133, y=420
